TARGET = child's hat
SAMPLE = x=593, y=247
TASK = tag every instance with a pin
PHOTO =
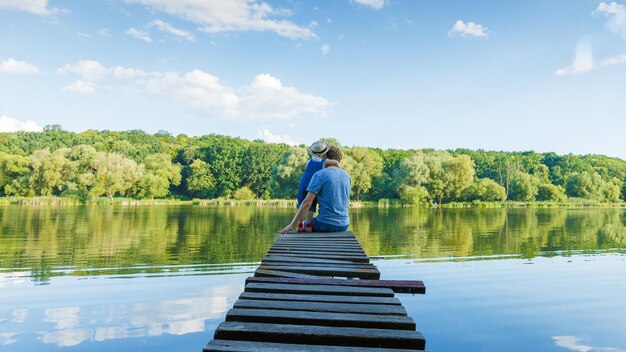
x=319, y=147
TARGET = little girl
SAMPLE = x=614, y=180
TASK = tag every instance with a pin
x=317, y=151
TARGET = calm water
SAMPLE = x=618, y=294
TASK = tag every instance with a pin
x=161, y=278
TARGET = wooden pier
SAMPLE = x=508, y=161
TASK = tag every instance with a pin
x=319, y=292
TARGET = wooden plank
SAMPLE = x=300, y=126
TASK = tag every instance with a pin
x=368, y=273
x=286, y=274
x=316, y=253
x=299, y=317
x=320, y=249
x=353, y=308
x=328, y=265
x=326, y=242
x=316, y=245
x=320, y=298
x=315, y=335
x=317, y=239
x=287, y=259
x=318, y=289
x=254, y=346
x=315, y=266
x=351, y=258
x=400, y=286
x=316, y=236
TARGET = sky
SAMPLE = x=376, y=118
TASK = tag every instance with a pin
x=495, y=75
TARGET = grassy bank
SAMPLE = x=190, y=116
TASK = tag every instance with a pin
x=291, y=203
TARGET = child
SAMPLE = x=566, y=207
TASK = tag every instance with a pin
x=318, y=152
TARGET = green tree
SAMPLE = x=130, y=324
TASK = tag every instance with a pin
x=523, y=187
x=550, y=192
x=12, y=167
x=486, y=190
x=460, y=172
x=114, y=174
x=411, y=171
x=244, y=193
x=584, y=185
x=288, y=172
x=200, y=180
x=50, y=171
x=366, y=165
x=159, y=174
x=413, y=194
x=257, y=167
x=224, y=156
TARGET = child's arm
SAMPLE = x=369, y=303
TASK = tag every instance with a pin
x=331, y=162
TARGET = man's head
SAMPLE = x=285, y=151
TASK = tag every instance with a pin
x=334, y=153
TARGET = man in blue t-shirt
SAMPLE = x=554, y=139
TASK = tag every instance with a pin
x=331, y=187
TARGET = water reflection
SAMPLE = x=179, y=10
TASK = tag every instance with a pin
x=94, y=240
x=89, y=277
x=97, y=313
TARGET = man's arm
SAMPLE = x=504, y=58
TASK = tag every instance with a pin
x=304, y=207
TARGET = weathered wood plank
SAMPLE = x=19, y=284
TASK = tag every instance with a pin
x=254, y=346
x=329, y=265
x=350, y=258
x=299, y=317
x=399, y=286
x=278, y=273
x=316, y=253
x=317, y=239
x=369, y=273
x=319, y=298
x=319, y=289
x=323, y=242
x=318, y=249
x=316, y=236
x=281, y=258
x=318, y=246
x=311, y=334
x=374, y=309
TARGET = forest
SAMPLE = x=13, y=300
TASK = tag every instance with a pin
x=139, y=165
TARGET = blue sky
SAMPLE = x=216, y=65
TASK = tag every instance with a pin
x=496, y=75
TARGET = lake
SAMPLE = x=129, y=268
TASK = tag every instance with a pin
x=161, y=278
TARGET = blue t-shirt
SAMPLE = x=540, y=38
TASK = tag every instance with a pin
x=332, y=189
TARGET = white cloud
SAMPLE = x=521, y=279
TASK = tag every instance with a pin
x=215, y=16
x=572, y=343
x=38, y=7
x=15, y=66
x=9, y=124
x=583, y=61
x=269, y=137
x=90, y=70
x=265, y=98
x=469, y=29
x=104, y=32
x=375, y=4
x=168, y=28
x=82, y=87
x=125, y=72
x=615, y=60
x=139, y=34
x=616, y=14
x=197, y=89
x=325, y=49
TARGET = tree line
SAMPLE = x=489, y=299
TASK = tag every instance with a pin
x=136, y=164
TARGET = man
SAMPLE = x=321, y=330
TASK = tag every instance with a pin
x=331, y=187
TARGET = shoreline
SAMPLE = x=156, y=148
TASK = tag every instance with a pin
x=291, y=203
